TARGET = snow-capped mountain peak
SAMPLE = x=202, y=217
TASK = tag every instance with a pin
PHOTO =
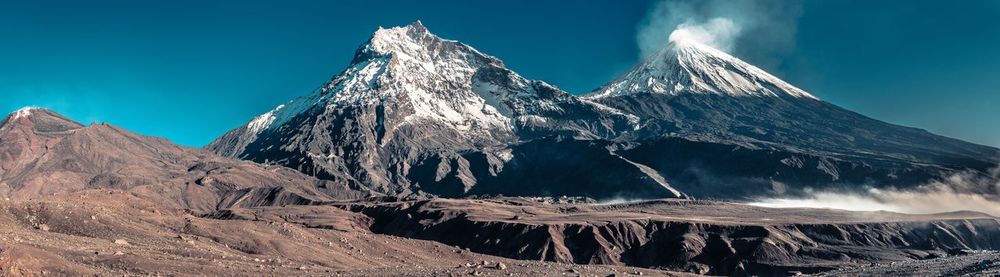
x=23, y=112
x=426, y=80
x=410, y=39
x=435, y=75
x=413, y=40
x=686, y=65
x=38, y=120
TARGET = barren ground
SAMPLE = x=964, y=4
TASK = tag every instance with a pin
x=111, y=232
x=108, y=232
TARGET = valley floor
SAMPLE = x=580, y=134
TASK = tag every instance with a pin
x=983, y=263
x=110, y=232
x=113, y=233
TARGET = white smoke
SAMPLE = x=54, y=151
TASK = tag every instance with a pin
x=717, y=32
x=968, y=191
x=754, y=29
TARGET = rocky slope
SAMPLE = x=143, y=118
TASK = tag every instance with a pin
x=43, y=153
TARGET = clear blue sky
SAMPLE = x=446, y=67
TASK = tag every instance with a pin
x=190, y=70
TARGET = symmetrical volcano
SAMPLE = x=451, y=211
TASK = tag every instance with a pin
x=718, y=125
x=688, y=66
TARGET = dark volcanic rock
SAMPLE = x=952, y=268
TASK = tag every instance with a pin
x=550, y=166
x=736, y=147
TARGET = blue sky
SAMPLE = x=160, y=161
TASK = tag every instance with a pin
x=191, y=70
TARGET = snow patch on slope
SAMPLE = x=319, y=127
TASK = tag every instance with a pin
x=263, y=121
x=632, y=119
x=653, y=174
x=23, y=112
x=278, y=116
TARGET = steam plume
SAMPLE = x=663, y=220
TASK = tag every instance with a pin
x=753, y=29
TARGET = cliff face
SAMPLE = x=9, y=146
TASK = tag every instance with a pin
x=699, y=237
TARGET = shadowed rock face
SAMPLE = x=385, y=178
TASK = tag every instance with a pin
x=741, y=147
x=43, y=153
x=694, y=236
x=551, y=166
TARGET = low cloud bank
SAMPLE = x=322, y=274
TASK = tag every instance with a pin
x=969, y=191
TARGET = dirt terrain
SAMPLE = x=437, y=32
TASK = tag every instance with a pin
x=115, y=232
x=99, y=200
x=111, y=232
